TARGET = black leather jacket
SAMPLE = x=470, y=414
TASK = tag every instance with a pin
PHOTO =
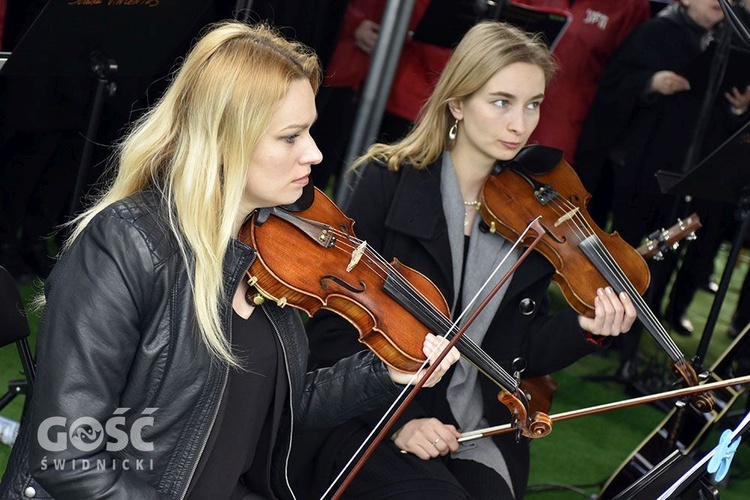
x=118, y=332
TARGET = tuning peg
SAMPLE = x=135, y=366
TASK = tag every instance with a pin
x=691, y=236
x=658, y=256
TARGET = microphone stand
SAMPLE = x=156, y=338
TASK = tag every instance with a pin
x=716, y=75
x=104, y=69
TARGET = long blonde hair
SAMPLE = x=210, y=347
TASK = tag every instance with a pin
x=486, y=48
x=195, y=146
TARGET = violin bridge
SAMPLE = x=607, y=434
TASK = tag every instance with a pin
x=566, y=217
x=356, y=256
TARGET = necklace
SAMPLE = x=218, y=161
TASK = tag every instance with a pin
x=468, y=204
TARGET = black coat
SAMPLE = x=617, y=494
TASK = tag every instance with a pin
x=400, y=215
x=654, y=129
x=119, y=331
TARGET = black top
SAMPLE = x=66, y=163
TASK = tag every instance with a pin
x=235, y=460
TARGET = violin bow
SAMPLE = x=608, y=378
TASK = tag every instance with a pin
x=593, y=410
x=385, y=429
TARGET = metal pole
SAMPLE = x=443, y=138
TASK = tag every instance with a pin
x=104, y=68
x=377, y=86
x=743, y=217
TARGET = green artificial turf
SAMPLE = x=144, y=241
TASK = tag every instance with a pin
x=10, y=369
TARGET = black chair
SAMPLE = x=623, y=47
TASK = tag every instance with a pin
x=14, y=328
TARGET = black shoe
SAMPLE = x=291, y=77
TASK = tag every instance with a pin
x=711, y=285
x=679, y=321
x=683, y=326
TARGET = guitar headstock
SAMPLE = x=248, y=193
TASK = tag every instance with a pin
x=665, y=240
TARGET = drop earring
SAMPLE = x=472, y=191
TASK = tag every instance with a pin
x=453, y=131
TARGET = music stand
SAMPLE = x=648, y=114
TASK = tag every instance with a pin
x=724, y=176
x=445, y=22
x=127, y=38
x=665, y=474
x=3, y=58
x=698, y=474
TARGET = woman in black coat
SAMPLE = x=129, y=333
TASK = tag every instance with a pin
x=416, y=201
x=645, y=112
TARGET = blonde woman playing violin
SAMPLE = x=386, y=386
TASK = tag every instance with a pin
x=146, y=331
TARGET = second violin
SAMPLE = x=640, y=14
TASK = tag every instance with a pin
x=539, y=182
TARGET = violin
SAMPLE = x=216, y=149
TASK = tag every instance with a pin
x=539, y=182
x=391, y=305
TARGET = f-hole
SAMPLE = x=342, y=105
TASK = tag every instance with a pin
x=342, y=283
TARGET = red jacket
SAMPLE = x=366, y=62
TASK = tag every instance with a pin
x=418, y=71
x=2, y=21
x=349, y=64
x=596, y=31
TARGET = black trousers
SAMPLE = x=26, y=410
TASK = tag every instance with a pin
x=390, y=474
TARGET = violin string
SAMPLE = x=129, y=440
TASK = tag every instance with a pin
x=383, y=270
x=650, y=316
x=607, y=260
x=583, y=230
x=484, y=362
x=489, y=366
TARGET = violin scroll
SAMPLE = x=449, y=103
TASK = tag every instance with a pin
x=538, y=426
x=703, y=401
